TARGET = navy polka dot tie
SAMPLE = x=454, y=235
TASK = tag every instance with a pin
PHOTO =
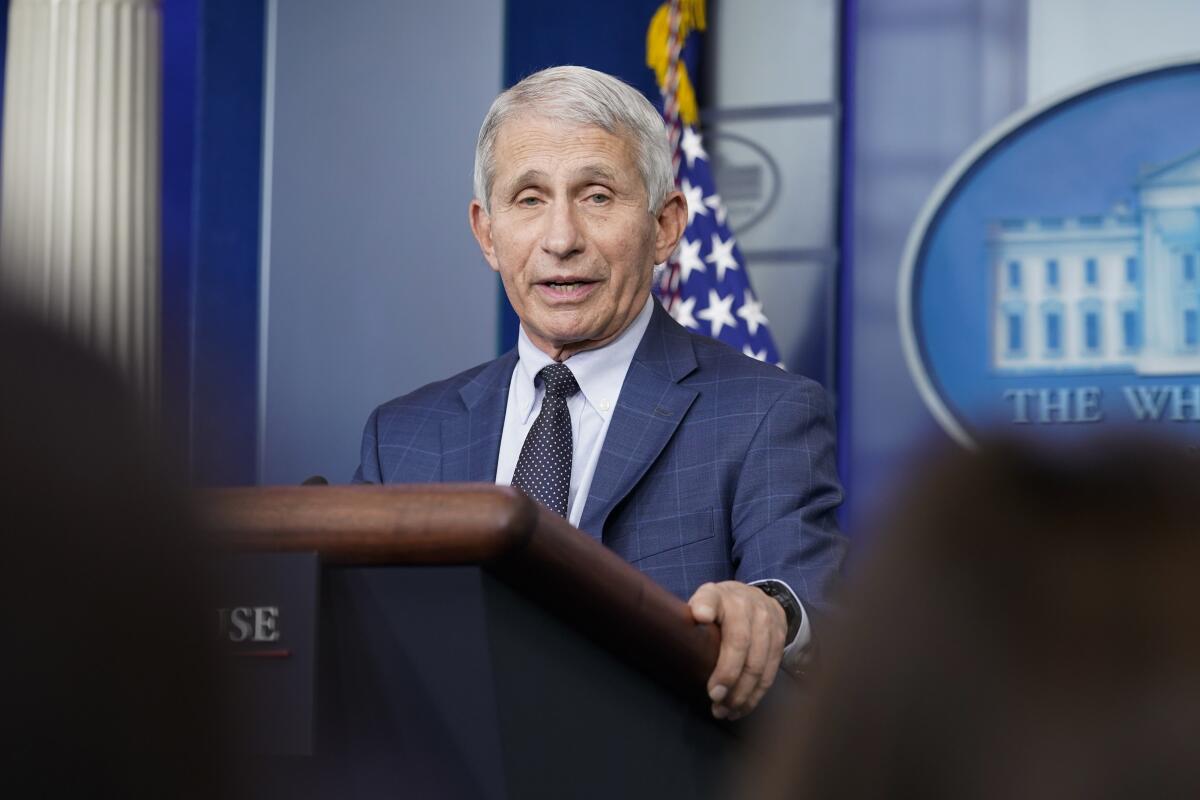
x=544, y=467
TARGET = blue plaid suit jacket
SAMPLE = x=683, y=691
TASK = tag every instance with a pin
x=715, y=466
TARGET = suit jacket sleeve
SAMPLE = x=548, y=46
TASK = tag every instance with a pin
x=368, y=467
x=784, y=524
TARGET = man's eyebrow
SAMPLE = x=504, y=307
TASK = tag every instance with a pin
x=596, y=172
x=527, y=177
x=591, y=173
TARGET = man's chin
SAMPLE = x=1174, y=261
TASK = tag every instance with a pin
x=567, y=330
x=562, y=343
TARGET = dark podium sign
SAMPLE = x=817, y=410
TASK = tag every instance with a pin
x=267, y=627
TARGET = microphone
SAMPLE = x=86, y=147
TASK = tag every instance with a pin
x=315, y=480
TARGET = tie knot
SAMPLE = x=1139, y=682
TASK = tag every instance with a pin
x=558, y=380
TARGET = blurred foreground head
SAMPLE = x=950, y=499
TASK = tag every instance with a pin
x=105, y=685
x=1026, y=626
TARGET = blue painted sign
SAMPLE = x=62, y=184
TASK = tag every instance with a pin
x=1053, y=279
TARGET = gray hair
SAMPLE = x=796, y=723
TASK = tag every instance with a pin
x=585, y=97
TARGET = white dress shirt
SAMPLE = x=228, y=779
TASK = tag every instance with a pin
x=600, y=374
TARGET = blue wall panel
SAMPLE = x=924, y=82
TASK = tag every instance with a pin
x=181, y=40
x=373, y=284
x=213, y=93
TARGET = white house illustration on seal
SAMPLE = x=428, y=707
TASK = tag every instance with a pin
x=1117, y=292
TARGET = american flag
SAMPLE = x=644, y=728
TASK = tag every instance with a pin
x=705, y=285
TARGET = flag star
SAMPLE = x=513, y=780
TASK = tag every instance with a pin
x=692, y=146
x=751, y=311
x=682, y=312
x=695, y=199
x=713, y=201
x=722, y=256
x=761, y=355
x=689, y=259
x=718, y=313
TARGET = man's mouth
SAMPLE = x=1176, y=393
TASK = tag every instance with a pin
x=567, y=286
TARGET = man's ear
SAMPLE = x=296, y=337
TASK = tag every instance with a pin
x=481, y=226
x=671, y=222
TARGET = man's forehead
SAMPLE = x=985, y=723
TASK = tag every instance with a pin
x=537, y=137
x=539, y=151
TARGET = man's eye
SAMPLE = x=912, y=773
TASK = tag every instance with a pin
x=598, y=198
x=528, y=201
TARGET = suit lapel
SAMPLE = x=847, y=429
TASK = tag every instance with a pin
x=471, y=439
x=649, y=410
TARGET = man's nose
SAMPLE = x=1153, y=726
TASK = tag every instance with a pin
x=562, y=236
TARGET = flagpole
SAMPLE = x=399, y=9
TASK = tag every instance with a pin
x=669, y=285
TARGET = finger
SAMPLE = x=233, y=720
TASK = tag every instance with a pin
x=756, y=658
x=706, y=603
x=777, y=633
x=735, y=641
x=774, y=661
x=759, y=693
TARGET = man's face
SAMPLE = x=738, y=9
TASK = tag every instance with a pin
x=570, y=233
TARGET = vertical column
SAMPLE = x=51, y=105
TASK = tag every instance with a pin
x=79, y=193
x=1159, y=292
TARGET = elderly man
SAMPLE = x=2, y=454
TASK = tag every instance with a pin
x=711, y=472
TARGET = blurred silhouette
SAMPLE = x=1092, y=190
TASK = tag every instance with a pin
x=1024, y=628
x=105, y=675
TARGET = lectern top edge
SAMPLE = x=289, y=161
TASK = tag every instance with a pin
x=403, y=524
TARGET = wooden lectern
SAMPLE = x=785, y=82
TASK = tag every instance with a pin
x=471, y=644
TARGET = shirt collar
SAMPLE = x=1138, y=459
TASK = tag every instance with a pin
x=600, y=372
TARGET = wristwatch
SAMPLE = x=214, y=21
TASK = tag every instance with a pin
x=791, y=607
